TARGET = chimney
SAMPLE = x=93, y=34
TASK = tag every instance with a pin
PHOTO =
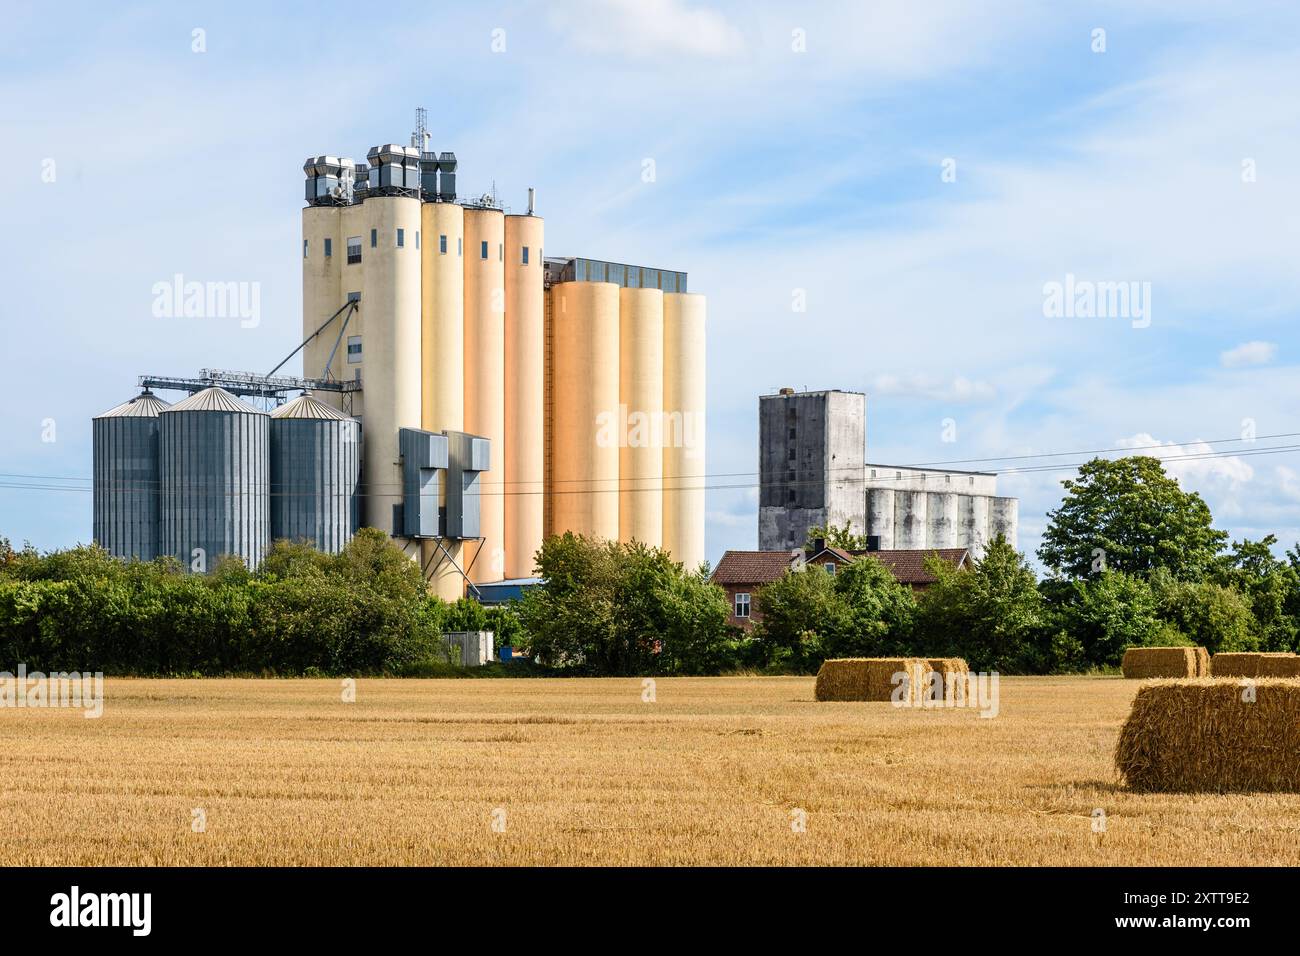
x=819, y=545
x=873, y=542
x=532, y=198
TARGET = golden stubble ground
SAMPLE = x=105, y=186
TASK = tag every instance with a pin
x=714, y=771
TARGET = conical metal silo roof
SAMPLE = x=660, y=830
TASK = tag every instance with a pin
x=214, y=399
x=144, y=405
x=305, y=406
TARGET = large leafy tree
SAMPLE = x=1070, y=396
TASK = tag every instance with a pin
x=1271, y=584
x=1137, y=516
x=992, y=614
x=836, y=536
x=1107, y=614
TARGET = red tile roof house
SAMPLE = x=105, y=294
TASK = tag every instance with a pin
x=742, y=573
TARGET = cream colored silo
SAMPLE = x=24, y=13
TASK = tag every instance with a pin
x=321, y=289
x=641, y=401
x=484, y=263
x=522, y=472
x=442, y=282
x=390, y=307
x=683, y=456
x=584, y=408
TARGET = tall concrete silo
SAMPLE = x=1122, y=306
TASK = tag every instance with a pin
x=910, y=525
x=485, y=375
x=941, y=519
x=684, y=427
x=442, y=378
x=522, y=470
x=324, y=251
x=315, y=472
x=584, y=383
x=391, y=339
x=213, y=453
x=880, y=515
x=126, y=480
x=973, y=524
x=1004, y=519
x=641, y=399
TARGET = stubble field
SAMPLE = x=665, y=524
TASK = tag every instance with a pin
x=713, y=771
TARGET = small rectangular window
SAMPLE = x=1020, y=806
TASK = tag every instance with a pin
x=525, y=255
x=501, y=252
x=401, y=238
x=417, y=239
x=354, y=250
x=354, y=349
x=354, y=296
x=830, y=568
x=792, y=434
x=304, y=248
x=742, y=604
x=329, y=248
x=483, y=249
x=374, y=238
x=442, y=245
x=460, y=245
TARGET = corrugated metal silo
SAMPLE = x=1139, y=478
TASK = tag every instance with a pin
x=315, y=471
x=125, y=473
x=213, y=453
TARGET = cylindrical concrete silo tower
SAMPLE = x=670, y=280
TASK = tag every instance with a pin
x=641, y=400
x=484, y=262
x=941, y=518
x=910, y=525
x=880, y=515
x=322, y=292
x=213, y=453
x=584, y=384
x=390, y=381
x=523, y=370
x=974, y=524
x=315, y=473
x=443, y=364
x=126, y=479
x=684, y=398
x=1004, y=519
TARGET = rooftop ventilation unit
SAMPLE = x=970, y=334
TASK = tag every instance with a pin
x=447, y=177
x=329, y=180
x=394, y=170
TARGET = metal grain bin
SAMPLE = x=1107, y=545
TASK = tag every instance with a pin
x=213, y=454
x=125, y=441
x=315, y=471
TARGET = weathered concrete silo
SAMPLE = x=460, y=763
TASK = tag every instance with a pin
x=213, y=453
x=941, y=519
x=880, y=515
x=910, y=526
x=315, y=472
x=125, y=441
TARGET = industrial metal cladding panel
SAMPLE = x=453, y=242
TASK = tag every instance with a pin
x=485, y=375
x=125, y=471
x=390, y=302
x=639, y=426
x=214, y=485
x=584, y=491
x=315, y=472
x=524, y=462
x=322, y=286
x=684, y=400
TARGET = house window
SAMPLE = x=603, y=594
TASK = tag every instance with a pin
x=354, y=350
x=329, y=247
x=354, y=250
x=304, y=248
x=525, y=260
x=830, y=568
x=742, y=604
x=442, y=245
x=483, y=249
x=374, y=238
x=401, y=238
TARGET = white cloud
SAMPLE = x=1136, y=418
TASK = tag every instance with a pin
x=647, y=28
x=959, y=390
x=1249, y=353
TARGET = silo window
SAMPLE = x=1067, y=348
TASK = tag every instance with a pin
x=354, y=351
x=329, y=247
x=791, y=455
x=417, y=239
x=792, y=434
x=483, y=249
x=354, y=250
x=790, y=495
x=401, y=238
x=525, y=256
x=460, y=244
x=304, y=248
x=374, y=238
x=501, y=252
x=442, y=245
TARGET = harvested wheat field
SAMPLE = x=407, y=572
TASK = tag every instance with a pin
x=712, y=772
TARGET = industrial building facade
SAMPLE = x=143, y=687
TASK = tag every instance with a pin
x=813, y=473
x=537, y=395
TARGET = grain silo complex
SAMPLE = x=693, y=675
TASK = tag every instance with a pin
x=499, y=395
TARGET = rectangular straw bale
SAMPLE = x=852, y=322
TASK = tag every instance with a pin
x=1146, y=662
x=953, y=673
x=1255, y=665
x=871, y=678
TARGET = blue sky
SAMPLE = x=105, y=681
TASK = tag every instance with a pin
x=777, y=169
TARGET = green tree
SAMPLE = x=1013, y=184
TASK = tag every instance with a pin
x=991, y=613
x=1106, y=615
x=801, y=610
x=1137, y=516
x=1271, y=584
x=1214, y=616
x=836, y=536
